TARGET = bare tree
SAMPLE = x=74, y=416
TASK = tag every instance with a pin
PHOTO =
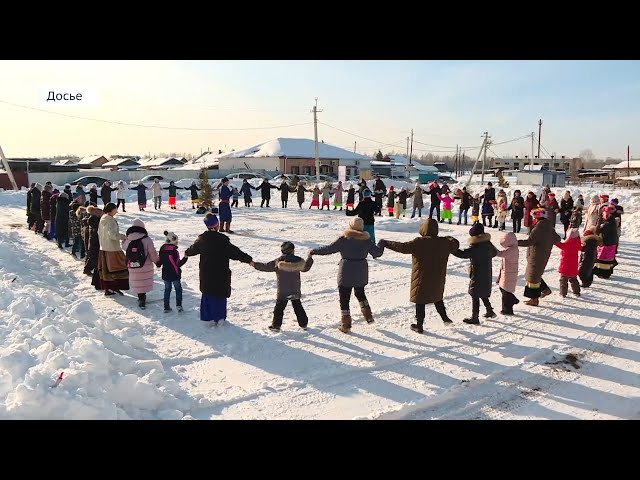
x=587, y=155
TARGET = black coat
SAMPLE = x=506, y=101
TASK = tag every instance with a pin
x=489, y=194
x=435, y=200
x=142, y=193
x=284, y=191
x=194, y=191
x=245, y=190
x=608, y=231
x=301, y=191
x=391, y=198
x=93, y=196
x=35, y=200
x=170, y=262
x=29, y=201
x=480, y=253
x=215, y=250
x=172, y=190
x=93, y=244
x=588, y=256
x=365, y=210
x=402, y=197
x=265, y=190
x=517, y=208
x=105, y=193
x=566, y=209
x=465, y=201
x=351, y=196
x=62, y=218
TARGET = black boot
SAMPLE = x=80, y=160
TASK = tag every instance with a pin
x=417, y=327
x=443, y=313
x=490, y=314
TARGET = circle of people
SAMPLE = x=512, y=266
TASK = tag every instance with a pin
x=117, y=262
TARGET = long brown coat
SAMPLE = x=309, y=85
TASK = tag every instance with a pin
x=540, y=243
x=429, y=263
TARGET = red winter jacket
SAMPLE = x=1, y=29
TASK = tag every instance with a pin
x=569, y=256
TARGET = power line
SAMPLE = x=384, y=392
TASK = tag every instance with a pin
x=151, y=126
x=381, y=144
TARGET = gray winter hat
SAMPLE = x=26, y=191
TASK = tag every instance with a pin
x=287, y=248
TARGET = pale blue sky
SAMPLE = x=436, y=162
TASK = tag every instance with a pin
x=583, y=104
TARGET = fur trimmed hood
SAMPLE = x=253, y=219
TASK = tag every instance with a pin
x=81, y=211
x=358, y=235
x=597, y=238
x=290, y=263
x=483, y=237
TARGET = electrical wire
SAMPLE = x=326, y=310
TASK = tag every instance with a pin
x=152, y=126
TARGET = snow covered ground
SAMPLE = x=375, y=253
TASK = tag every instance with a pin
x=572, y=358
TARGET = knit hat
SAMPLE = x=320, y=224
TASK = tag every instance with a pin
x=287, y=248
x=211, y=221
x=614, y=201
x=138, y=223
x=366, y=194
x=594, y=199
x=391, y=187
x=172, y=238
x=356, y=223
x=604, y=195
x=476, y=230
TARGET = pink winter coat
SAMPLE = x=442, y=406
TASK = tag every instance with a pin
x=508, y=276
x=571, y=249
x=141, y=279
x=446, y=202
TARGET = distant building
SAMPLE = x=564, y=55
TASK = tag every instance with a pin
x=296, y=156
x=93, y=161
x=625, y=169
x=119, y=163
x=541, y=178
x=160, y=163
x=570, y=166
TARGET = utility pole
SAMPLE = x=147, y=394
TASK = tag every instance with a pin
x=539, y=133
x=484, y=158
x=407, y=147
x=531, y=157
x=475, y=164
x=5, y=162
x=411, y=150
x=456, y=162
x=462, y=166
x=628, y=163
x=355, y=143
x=315, y=132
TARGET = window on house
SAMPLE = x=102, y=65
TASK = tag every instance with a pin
x=556, y=165
x=516, y=165
x=546, y=164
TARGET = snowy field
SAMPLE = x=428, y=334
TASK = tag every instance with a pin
x=568, y=359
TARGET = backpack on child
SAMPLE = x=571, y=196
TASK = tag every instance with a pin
x=136, y=255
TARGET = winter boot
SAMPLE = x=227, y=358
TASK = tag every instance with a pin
x=545, y=293
x=179, y=308
x=417, y=327
x=273, y=328
x=345, y=322
x=229, y=228
x=490, y=314
x=534, y=302
x=472, y=321
x=366, y=313
x=167, y=309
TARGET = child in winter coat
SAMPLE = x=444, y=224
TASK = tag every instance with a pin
x=120, y=195
x=508, y=276
x=391, y=200
x=517, y=211
x=337, y=197
x=570, y=248
x=236, y=195
x=475, y=209
x=326, y=195
x=487, y=212
x=590, y=244
x=142, y=195
x=193, y=188
x=169, y=260
x=446, y=214
x=502, y=210
x=287, y=268
x=480, y=253
x=141, y=277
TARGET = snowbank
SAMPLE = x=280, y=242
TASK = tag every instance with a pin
x=109, y=372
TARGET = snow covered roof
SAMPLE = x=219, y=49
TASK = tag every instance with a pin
x=119, y=161
x=534, y=168
x=206, y=161
x=632, y=178
x=295, y=147
x=635, y=164
x=158, y=162
x=62, y=163
x=399, y=159
x=90, y=159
